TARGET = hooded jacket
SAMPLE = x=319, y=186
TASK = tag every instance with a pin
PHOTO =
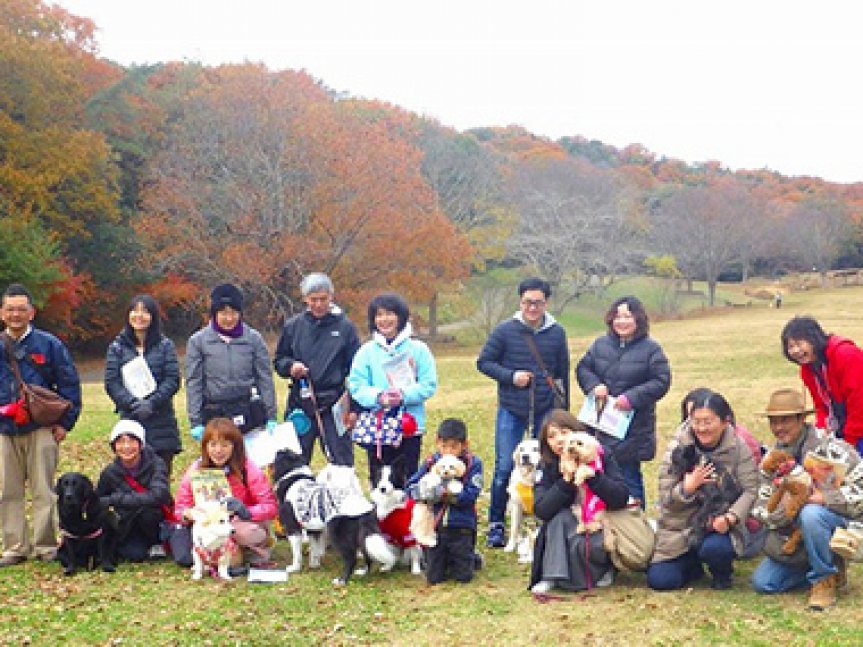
x=844, y=362
x=637, y=369
x=506, y=351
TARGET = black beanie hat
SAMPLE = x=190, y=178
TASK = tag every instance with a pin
x=223, y=295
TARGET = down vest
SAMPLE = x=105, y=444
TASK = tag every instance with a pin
x=637, y=369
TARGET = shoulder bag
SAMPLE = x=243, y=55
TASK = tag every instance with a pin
x=628, y=537
x=44, y=406
x=556, y=385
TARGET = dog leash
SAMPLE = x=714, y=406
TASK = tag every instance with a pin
x=321, y=433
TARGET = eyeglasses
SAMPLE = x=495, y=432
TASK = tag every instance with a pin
x=533, y=303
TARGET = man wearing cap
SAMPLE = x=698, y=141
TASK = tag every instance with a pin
x=835, y=499
x=316, y=347
x=227, y=366
x=135, y=484
x=29, y=452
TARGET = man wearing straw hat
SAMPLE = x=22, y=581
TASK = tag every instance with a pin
x=836, y=498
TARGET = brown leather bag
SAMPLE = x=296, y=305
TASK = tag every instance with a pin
x=44, y=406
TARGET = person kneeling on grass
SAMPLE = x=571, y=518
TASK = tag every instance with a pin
x=836, y=498
x=454, y=554
x=135, y=484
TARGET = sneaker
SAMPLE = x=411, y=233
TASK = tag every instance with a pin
x=478, y=561
x=822, y=594
x=238, y=571
x=11, y=560
x=607, y=579
x=495, y=537
x=542, y=587
x=157, y=551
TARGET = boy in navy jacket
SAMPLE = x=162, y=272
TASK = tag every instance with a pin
x=456, y=516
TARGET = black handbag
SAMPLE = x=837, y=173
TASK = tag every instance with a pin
x=246, y=412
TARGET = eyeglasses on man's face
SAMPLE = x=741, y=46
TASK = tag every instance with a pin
x=533, y=303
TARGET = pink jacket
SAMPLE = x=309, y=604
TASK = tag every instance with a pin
x=256, y=494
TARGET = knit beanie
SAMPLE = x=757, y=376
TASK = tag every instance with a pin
x=128, y=428
x=223, y=295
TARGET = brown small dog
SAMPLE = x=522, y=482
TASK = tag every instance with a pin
x=583, y=455
x=791, y=486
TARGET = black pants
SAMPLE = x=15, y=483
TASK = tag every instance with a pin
x=341, y=448
x=138, y=532
x=409, y=448
x=453, y=556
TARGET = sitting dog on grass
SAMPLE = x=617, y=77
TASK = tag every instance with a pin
x=395, y=509
x=213, y=544
x=88, y=529
x=525, y=459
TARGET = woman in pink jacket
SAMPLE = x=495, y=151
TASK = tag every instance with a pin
x=251, y=501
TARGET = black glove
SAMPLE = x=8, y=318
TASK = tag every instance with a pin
x=142, y=409
x=237, y=508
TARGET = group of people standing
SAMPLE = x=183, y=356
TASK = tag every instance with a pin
x=229, y=387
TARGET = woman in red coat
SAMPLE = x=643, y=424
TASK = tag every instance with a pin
x=832, y=369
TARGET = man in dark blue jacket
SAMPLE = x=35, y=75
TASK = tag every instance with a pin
x=317, y=347
x=523, y=390
x=30, y=452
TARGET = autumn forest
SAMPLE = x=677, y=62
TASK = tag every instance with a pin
x=170, y=178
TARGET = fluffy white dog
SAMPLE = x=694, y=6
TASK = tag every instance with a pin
x=525, y=460
x=213, y=542
x=442, y=480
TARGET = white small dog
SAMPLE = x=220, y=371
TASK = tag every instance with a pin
x=444, y=478
x=583, y=455
x=525, y=460
x=213, y=542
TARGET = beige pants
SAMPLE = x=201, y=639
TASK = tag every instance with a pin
x=29, y=458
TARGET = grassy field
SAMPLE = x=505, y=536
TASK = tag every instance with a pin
x=735, y=350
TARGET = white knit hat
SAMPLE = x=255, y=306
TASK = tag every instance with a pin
x=128, y=428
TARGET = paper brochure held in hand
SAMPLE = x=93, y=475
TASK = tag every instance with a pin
x=262, y=445
x=608, y=420
x=137, y=377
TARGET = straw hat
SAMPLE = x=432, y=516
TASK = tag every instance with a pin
x=786, y=402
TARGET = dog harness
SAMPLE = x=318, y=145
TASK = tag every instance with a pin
x=211, y=557
x=65, y=534
x=592, y=504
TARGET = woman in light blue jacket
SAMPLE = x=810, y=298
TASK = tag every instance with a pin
x=393, y=370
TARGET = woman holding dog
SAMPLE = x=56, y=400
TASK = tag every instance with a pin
x=831, y=367
x=412, y=380
x=252, y=503
x=563, y=558
x=628, y=364
x=153, y=406
x=676, y=562
x=136, y=485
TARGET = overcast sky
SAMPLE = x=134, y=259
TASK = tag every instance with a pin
x=752, y=84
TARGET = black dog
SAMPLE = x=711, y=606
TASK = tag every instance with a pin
x=87, y=528
x=714, y=496
x=338, y=508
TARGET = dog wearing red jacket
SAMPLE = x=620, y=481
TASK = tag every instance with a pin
x=394, y=510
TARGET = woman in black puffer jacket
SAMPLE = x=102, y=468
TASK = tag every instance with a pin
x=142, y=336
x=629, y=365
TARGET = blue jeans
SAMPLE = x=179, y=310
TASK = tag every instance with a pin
x=817, y=524
x=716, y=551
x=631, y=471
x=508, y=433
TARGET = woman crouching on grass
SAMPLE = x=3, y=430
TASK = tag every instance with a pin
x=682, y=548
x=251, y=501
x=563, y=558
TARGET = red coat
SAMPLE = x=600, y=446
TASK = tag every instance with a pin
x=845, y=382
x=396, y=526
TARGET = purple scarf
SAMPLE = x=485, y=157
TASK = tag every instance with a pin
x=233, y=333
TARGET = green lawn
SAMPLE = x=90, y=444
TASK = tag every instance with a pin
x=734, y=350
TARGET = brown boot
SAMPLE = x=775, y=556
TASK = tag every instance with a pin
x=822, y=595
x=842, y=576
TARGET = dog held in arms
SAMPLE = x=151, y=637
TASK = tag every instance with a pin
x=394, y=509
x=213, y=542
x=88, y=529
x=525, y=460
x=331, y=504
x=714, y=496
x=583, y=456
x=791, y=486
